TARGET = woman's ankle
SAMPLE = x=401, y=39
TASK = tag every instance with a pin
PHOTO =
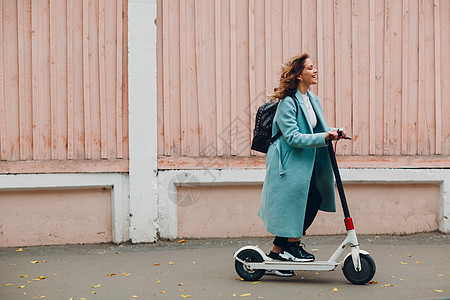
x=276, y=249
x=293, y=240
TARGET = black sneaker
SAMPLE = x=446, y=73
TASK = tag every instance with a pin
x=281, y=273
x=295, y=252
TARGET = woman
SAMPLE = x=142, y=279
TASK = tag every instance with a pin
x=299, y=177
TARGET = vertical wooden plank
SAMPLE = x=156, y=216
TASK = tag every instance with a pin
x=70, y=81
x=102, y=80
x=35, y=77
x=437, y=80
x=285, y=30
x=3, y=152
x=233, y=104
x=174, y=78
x=125, y=79
x=338, y=65
x=445, y=73
x=372, y=122
x=53, y=82
x=327, y=69
x=268, y=39
x=166, y=99
x=159, y=76
x=386, y=83
x=405, y=48
x=183, y=78
x=252, y=75
x=309, y=35
x=86, y=82
x=119, y=82
x=421, y=83
x=23, y=149
x=218, y=48
x=355, y=76
x=320, y=58
x=304, y=24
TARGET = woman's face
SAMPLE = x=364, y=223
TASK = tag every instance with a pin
x=309, y=74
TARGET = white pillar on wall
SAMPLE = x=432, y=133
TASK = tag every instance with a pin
x=142, y=120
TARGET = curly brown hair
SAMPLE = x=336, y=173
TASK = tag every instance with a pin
x=288, y=77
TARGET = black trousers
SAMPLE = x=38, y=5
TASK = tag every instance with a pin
x=312, y=207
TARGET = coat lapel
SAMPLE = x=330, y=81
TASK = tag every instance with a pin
x=303, y=109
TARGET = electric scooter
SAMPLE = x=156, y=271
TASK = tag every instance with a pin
x=251, y=262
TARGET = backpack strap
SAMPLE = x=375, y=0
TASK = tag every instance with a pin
x=278, y=134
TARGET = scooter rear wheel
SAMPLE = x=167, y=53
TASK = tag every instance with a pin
x=367, y=269
x=243, y=271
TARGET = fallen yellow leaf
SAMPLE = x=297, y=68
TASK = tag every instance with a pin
x=96, y=286
x=35, y=279
x=93, y=293
x=171, y=263
x=181, y=241
x=112, y=274
x=234, y=295
x=162, y=292
x=134, y=297
x=42, y=277
x=55, y=274
x=185, y=296
x=158, y=281
x=21, y=287
x=24, y=276
x=156, y=264
x=126, y=274
x=180, y=284
x=404, y=263
x=29, y=281
x=39, y=297
x=44, y=261
x=440, y=275
x=335, y=289
x=387, y=285
x=417, y=262
x=8, y=284
x=438, y=291
x=377, y=237
x=34, y=261
x=255, y=282
x=373, y=282
x=245, y=295
x=19, y=250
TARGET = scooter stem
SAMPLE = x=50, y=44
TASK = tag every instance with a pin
x=338, y=180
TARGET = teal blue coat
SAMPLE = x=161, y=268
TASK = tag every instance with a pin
x=289, y=165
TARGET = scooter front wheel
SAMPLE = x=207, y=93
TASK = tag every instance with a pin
x=367, y=269
x=243, y=271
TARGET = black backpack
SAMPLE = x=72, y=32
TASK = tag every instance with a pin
x=262, y=134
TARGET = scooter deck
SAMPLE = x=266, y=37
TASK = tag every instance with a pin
x=293, y=265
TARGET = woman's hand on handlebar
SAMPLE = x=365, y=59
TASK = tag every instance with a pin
x=335, y=134
x=331, y=135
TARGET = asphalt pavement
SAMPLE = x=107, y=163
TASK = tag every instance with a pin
x=408, y=267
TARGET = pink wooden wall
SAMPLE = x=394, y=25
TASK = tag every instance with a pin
x=384, y=74
x=63, y=85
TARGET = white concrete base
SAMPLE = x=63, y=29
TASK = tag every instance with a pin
x=170, y=180
x=117, y=183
